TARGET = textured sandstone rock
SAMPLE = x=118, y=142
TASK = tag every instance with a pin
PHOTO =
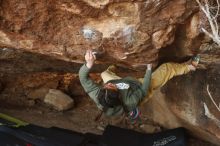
x=41, y=39
x=186, y=103
x=150, y=128
x=38, y=93
x=122, y=30
x=97, y=3
x=192, y=31
x=163, y=38
x=58, y=100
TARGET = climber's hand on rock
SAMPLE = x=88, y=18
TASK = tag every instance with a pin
x=149, y=66
x=90, y=58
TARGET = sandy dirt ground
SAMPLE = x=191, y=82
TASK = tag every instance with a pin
x=81, y=119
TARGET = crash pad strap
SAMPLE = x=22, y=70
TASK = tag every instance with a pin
x=16, y=122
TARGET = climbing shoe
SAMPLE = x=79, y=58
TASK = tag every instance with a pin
x=195, y=60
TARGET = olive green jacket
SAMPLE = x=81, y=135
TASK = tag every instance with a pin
x=132, y=91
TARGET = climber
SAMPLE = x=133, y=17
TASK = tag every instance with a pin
x=123, y=95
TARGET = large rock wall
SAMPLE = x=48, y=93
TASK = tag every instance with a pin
x=126, y=32
x=185, y=102
x=45, y=39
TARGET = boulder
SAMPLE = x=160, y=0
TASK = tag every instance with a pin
x=58, y=100
x=38, y=93
x=52, y=36
x=123, y=29
x=163, y=38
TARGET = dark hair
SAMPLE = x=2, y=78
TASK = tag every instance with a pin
x=109, y=98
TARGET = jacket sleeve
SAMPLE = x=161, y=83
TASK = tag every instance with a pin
x=146, y=82
x=89, y=86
